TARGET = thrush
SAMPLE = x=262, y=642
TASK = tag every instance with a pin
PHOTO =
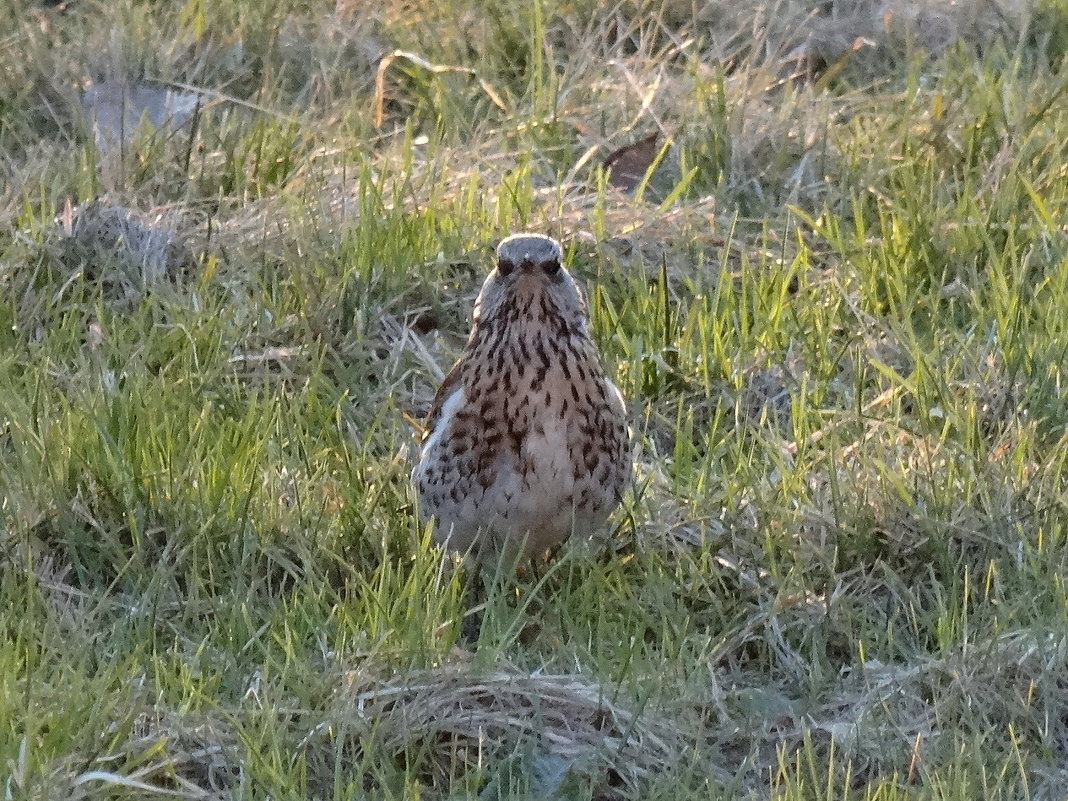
x=526, y=440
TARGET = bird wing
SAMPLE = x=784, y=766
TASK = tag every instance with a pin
x=448, y=384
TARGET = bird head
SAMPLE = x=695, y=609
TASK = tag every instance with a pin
x=530, y=283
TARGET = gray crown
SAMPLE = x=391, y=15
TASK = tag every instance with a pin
x=530, y=248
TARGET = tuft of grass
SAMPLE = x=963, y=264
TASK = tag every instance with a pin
x=239, y=244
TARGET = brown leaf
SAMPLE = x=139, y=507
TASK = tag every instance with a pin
x=626, y=167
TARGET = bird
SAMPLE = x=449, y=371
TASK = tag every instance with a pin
x=526, y=441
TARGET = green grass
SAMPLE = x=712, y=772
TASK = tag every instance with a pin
x=837, y=310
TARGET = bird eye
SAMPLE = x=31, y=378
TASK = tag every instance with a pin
x=551, y=267
x=504, y=267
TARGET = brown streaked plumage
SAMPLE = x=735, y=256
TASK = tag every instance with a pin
x=526, y=440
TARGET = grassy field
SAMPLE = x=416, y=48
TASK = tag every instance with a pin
x=836, y=302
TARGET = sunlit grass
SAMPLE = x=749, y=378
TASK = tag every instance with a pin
x=836, y=312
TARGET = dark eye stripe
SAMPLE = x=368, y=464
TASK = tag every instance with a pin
x=504, y=267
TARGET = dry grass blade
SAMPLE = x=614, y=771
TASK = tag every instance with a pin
x=435, y=69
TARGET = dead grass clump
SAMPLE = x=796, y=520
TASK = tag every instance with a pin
x=458, y=712
x=893, y=716
x=902, y=719
x=120, y=248
x=100, y=248
x=872, y=36
x=153, y=756
x=195, y=759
